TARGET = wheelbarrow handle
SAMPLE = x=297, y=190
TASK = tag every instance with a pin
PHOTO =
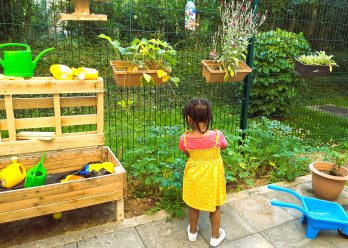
x=289, y=205
x=286, y=190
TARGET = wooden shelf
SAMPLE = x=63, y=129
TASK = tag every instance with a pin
x=49, y=85
x=51, y=90
x=82, y=17
x=82, y=13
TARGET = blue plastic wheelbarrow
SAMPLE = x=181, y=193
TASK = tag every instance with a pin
x=319, y=214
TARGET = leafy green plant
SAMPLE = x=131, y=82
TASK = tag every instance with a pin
x=339, y=155
x=270, y=149
x=319, y=58
x=274, y=81
x=230, y=42
x=156, y=169
x=144, y=54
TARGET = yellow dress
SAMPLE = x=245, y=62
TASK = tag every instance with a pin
x=204, y=185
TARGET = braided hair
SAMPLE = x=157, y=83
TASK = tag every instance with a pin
x=199, y=110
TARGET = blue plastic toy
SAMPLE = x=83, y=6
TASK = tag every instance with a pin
x=319, y=214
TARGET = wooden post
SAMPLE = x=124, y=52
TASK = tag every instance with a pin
x=119, y=210
x=57, y=114
x=100, y=113
x=11, y=125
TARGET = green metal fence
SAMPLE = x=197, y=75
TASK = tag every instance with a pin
x=316, y=106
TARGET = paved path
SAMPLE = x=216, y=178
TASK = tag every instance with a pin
x=248, y=219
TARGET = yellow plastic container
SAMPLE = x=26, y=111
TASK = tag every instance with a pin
x=84, y=73
x=106, y=165
x=13, y=174
x=61, y=72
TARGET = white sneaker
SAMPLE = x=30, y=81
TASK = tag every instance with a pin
x=191, y=236
x=215, y=242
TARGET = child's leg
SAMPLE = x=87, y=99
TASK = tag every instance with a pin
x=193, y=215
x=215, y=222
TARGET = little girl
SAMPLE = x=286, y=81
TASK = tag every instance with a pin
x=204, y=185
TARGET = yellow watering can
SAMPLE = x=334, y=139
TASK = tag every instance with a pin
x=12, y=174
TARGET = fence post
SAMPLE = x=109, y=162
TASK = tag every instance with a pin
x=247, y=80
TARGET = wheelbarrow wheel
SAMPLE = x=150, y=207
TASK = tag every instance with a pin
x=343, y=235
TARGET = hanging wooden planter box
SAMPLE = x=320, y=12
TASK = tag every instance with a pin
x=124, y=78
x=212, y=73
x=65, y=152
x=311, y=70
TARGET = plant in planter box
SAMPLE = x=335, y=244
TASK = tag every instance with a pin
x=239, y=22
x=329, y=179
x=318, y=64
x=144, y=62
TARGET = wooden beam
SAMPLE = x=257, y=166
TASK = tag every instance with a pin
x=27, y=123
x=48, y=85
x=82, y=17
x=57, y=115
x=76, y=120
x=100, y=112
x=63, y=142
x=47, y=102
x=11, y=126
x=59, y=206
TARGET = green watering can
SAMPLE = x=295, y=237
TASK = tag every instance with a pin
x=19, y=63
x=36, y=176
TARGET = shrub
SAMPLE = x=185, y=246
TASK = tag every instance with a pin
x=274, y=81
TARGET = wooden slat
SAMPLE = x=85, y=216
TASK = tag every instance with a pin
x=82, y=17
x=27, y=123
x=79, y=120
x=57, y=115
x=63, y=142
x=60, y=161
x=39, y=122
x=58, y=188
x=36, y=135
x=50, y=86
x=100, y=112
x=119, y=213
x=40, y=200
x=47, y=102
x=112, y=158
x=58, y=207
x=11, y=126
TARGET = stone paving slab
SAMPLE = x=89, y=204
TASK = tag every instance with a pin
x=75, y=236
x=259, y=213
x=234, y=226
x=168, y=234
x=293, y=234
x=284, y=197
x=127, y=238
x=252, y=241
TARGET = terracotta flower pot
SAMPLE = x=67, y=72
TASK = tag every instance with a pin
x=124, y=78
x=211, y=72
x=311, y=70
x=325, y=186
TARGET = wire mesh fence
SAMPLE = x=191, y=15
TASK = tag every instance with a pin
x=316, y=107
